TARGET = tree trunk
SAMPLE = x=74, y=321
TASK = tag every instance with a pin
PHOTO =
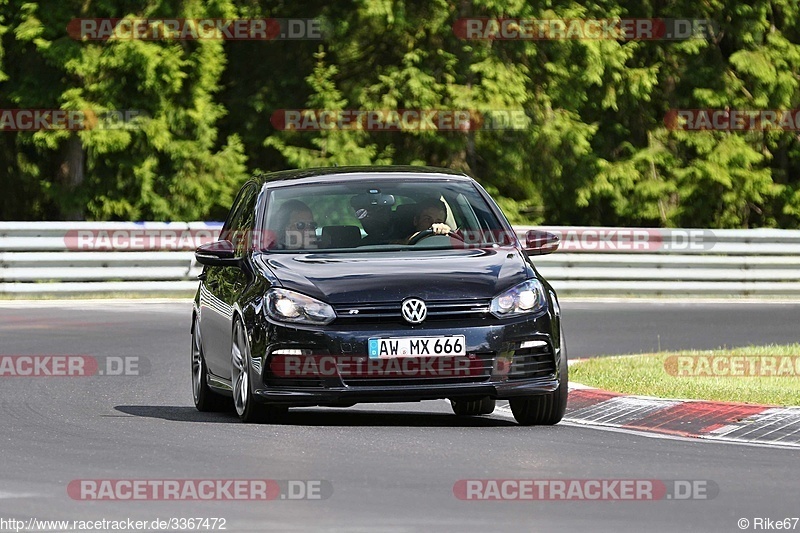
x=71, y=173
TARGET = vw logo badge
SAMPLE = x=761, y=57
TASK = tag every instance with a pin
x=414, y=310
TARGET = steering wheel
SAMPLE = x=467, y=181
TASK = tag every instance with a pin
x=424, y=234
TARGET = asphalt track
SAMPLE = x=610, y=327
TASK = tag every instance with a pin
x=391, y=467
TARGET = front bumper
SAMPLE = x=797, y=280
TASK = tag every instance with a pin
x=518, y=357
x=349, y=395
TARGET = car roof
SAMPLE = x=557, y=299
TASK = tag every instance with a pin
x=334, y=174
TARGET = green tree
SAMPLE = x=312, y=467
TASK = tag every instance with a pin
x=167, y=164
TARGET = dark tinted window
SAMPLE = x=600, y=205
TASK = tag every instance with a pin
x=379, y=215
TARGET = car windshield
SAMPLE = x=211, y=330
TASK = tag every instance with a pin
x=380, y=215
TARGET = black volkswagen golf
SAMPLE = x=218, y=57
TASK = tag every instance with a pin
x=334, y=286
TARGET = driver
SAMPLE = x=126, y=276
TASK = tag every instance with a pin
x=430, y=215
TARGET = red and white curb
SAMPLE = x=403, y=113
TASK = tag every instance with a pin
x=718, y=421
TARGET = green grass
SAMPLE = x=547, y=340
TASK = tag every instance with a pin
x=655, y=375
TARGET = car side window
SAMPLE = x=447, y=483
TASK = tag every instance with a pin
x=241, y=219
x=246, y=223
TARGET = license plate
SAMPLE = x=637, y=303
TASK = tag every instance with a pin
x=416, y=346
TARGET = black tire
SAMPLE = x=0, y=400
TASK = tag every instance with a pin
x=248, y=409
x=468, y=407
x=205, y=399
x=546, y=409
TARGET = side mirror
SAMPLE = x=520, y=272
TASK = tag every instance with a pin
x=538, y=242
x=219, y=253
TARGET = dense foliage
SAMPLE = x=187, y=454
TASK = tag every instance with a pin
x=595, y=149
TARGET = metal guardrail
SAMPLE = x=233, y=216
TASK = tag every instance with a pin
x=153, y=257
x=757, y=262
x=101, y=257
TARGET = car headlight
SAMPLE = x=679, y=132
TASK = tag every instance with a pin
x=527, y=297
x=289, y=306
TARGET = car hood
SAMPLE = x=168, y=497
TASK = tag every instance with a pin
x=390, y=277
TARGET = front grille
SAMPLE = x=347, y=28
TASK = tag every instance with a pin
x=537, y=362
x=390, y=312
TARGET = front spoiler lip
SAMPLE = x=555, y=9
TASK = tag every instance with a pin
x=406, y=393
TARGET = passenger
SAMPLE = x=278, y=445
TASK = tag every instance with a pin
x=295, y=226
